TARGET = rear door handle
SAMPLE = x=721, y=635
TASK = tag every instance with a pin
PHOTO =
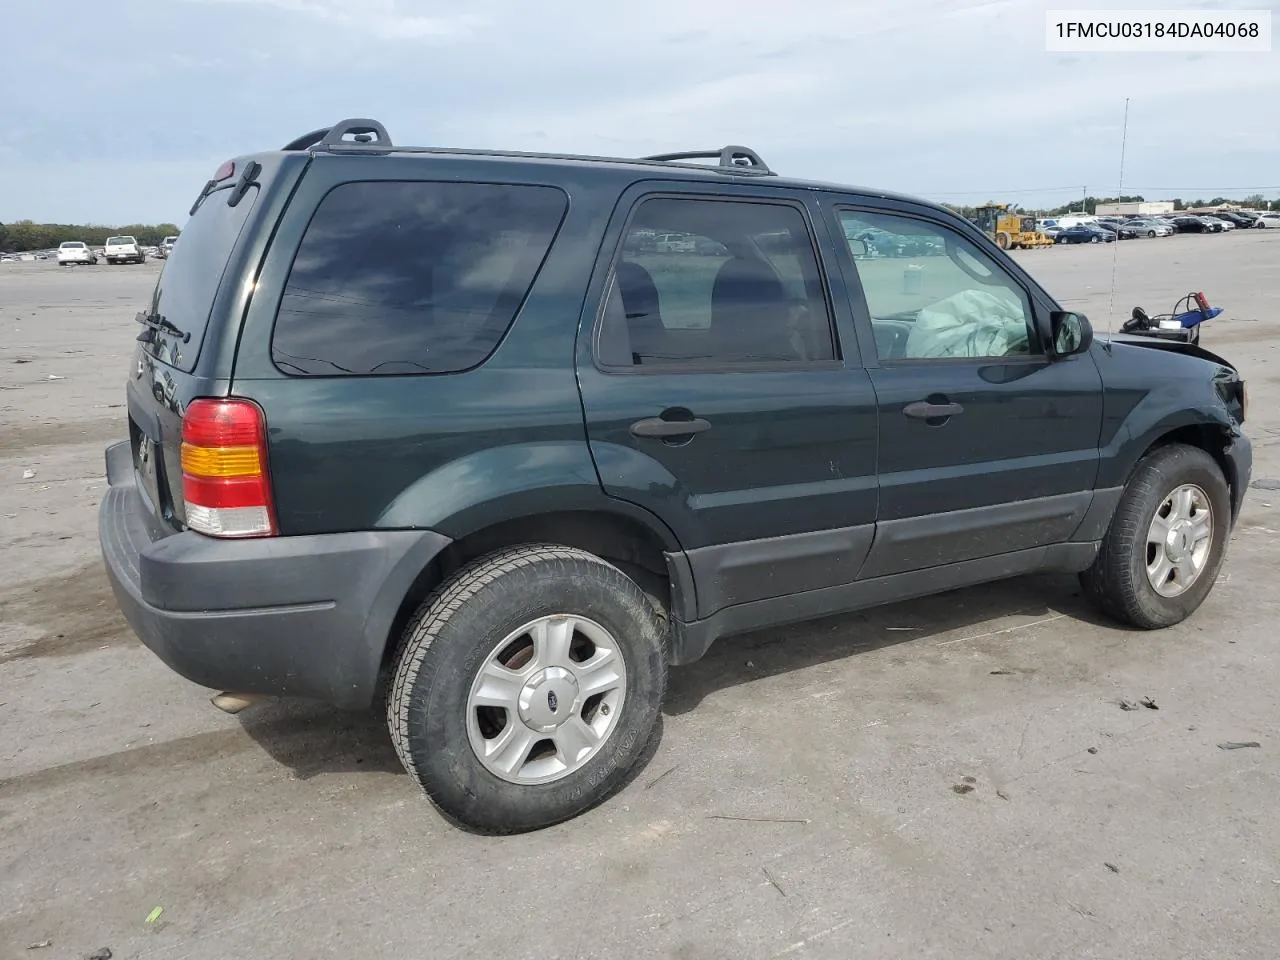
x=923, y=410
x=666, y=429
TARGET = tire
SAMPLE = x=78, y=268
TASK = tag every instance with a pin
x=1151, y=234
x=1093, y=239
x=1118, y=581
x=469, y=624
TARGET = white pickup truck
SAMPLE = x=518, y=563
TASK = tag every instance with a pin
x=75, y=251
x=123, y=250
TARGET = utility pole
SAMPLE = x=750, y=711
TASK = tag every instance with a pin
x=1084, y=196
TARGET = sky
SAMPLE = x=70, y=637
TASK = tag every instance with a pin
x=118, y=112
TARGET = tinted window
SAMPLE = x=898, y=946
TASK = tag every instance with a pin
x=932, y=294
x=715, y=282
x=192, y=273
x=73, y=245
x=395, y=278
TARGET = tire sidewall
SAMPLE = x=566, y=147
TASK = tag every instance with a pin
x=439, y=744
x=1160, y=477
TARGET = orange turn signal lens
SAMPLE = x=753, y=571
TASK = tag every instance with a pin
x=220, y=461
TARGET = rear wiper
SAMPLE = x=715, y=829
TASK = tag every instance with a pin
x=154, y=322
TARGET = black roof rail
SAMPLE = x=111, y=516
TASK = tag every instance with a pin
x=733, y=159
x=364, y=134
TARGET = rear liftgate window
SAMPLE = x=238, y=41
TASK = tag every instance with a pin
x=402, y=278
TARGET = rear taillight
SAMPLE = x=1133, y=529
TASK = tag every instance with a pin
x=224, y=469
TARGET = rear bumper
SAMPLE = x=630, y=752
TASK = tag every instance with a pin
x=299, y=616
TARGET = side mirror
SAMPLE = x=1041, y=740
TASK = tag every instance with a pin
x=857, y=248
x=1069, y=334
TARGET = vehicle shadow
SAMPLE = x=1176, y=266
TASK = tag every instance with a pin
x=741, y=659
x=312, y=738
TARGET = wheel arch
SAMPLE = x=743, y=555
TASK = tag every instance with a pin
x=636, y=542
x=1211, y=437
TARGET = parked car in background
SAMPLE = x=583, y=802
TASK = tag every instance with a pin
x=75, y=251
x=1085, y=233
x=1269, y=221
x=1239, y=219
x=123, y=250
x=1227, y=224
x=1211, y=224
x=1188, y=223
x=1132, y=229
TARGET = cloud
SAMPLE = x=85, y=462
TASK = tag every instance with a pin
x=942, y=97
x=383, y=19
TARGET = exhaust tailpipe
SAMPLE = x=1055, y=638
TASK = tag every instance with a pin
x=233, y=703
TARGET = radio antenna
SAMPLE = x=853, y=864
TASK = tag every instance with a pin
x=1115, y=253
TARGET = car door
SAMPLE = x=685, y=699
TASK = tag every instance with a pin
x=720, y=395
x=987, y=446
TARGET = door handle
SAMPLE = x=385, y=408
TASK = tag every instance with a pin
x=923, y=410
x=666, y=429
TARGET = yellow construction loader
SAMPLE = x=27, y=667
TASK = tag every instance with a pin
x=1009, y=230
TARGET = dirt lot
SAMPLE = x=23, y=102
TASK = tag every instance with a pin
x=953, y=777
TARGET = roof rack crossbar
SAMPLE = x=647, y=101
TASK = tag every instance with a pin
x=731, y=157
x=364, y=134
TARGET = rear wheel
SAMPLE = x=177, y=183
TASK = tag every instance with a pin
x=1151, y=233
x=527, y=687
x=1161, y=555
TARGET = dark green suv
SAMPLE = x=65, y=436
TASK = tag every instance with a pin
x=519, y=431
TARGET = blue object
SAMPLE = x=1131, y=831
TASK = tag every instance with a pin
x=1195, y=317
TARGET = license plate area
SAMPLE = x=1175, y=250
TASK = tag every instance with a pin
x=147, y=466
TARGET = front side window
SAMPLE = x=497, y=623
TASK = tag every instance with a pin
x=712, y=283
x=411, y=277
x=933, y=294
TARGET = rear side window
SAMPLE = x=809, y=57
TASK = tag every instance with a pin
x=715, y=283
x=411, y=277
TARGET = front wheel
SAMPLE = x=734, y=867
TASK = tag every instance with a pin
x=527, y=687
x=1161, y=555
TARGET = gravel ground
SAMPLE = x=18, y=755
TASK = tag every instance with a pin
x=950, y=777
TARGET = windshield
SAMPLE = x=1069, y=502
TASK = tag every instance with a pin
x=72, y=245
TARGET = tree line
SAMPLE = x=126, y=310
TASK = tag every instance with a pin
x=26, y=235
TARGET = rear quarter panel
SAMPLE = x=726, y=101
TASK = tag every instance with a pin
x=449, y=452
